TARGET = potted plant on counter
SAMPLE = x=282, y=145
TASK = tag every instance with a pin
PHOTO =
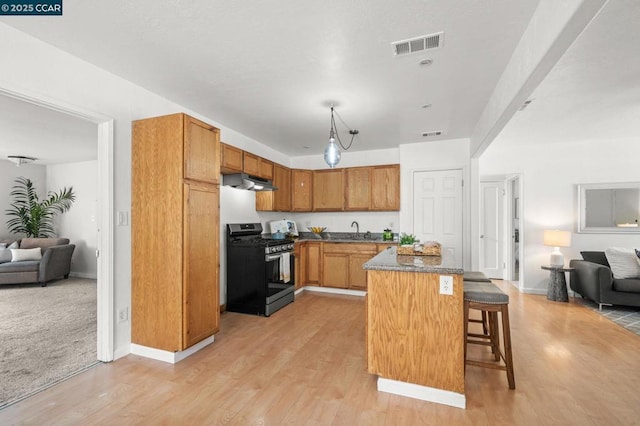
x=407, y=243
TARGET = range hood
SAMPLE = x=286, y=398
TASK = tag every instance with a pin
x=245, y=181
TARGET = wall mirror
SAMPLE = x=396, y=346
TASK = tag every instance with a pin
x=609, y=207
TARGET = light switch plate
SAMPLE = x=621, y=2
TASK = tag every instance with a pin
x=446, y=284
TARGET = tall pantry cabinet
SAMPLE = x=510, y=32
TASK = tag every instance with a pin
x=175, y=229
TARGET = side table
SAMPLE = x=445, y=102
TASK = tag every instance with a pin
x=557, y=290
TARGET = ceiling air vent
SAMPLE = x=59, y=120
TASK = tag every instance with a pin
x=427, y=134
x=427, y=42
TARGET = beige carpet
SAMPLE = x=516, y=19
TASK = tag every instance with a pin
x=46, y=334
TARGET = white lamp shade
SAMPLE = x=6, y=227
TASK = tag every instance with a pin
x=556, y=238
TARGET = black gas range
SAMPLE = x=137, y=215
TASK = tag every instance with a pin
x=260, y=270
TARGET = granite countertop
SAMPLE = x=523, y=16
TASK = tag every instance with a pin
x=388, y=260
x=342, y=237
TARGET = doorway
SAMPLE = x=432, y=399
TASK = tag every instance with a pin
x=514, y=228
x=104, y=219
x=492, y=194
x=500, y=244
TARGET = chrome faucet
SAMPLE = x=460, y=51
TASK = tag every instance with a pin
x=357, y=228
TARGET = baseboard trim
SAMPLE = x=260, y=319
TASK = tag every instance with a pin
x=166, y=356
x=424, y=393
x=83, y=275
x=533, y=290
x=121, y=352
x=332, y=290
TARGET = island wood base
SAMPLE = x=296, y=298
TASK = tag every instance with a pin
x=415, y=335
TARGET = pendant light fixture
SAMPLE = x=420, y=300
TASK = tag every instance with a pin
x=332, y=151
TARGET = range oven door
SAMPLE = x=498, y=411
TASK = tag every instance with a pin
x=280, y=285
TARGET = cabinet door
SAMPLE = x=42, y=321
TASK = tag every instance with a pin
x=282, y=180
x=201, y=294
x=301, y=197
x=312, y=256
x=231, y=159
x=251, y=164
x=357, y=189
x=335, y=270
x=328, y=190
x=385, y=187
x=201, y=150
x=265, y=168
x=357, y=275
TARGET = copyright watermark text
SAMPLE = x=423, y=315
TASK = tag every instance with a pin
x=37, y=7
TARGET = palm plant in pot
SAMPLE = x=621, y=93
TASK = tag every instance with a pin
x=31, y=216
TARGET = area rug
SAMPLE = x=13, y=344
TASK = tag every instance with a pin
x=46, y=334
x=627, y=317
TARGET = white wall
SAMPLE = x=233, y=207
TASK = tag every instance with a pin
x=71, y=81
x=549, y=199
x=8, y=173
x=79, y=224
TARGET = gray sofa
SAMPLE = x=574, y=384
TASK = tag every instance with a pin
x=55, y=262
x=593, y=280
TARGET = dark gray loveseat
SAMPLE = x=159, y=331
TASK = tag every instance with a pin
x=55, y=262
x=594, y=280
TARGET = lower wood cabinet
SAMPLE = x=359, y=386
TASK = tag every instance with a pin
x=308, y=264
x=342, y=264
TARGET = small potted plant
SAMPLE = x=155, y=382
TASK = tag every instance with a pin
x=407, y=243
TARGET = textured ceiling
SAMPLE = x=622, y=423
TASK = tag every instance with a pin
x=270, y=69
x=593, y=92
x=50, y=136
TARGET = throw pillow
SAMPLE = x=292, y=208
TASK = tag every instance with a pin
x=5, y=255
x=19, y=255
x=595, y=257
x=624, y=262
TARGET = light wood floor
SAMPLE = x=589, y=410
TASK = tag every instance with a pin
x=305, y=365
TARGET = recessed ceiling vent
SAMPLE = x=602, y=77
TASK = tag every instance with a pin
x=427, y=42
x=428, y=134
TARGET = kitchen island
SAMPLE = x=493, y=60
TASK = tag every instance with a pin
x=414, y=323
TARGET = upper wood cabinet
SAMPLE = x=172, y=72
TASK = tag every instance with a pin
x=302, y=190
x=357, y=191
x=201, y=150
x=230, y=159
x=328, y=190
x=174, y=299
x=279, y=200
x=257, y=166
x=385, y=187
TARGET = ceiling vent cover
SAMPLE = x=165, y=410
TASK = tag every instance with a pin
x=419, y=44
x=428, y=134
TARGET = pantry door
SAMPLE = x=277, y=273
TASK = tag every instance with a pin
x=437, y=210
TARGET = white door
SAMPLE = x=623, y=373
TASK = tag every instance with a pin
x=437, y=210
x=491, y=225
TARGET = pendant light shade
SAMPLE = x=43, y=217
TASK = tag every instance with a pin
x=332, y=151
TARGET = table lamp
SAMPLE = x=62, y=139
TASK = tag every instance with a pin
x=557, y=239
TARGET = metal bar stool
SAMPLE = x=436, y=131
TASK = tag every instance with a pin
x=487, y=297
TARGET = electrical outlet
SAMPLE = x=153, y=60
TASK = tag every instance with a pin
x=123, y=315
x=446, y=284
x=390, y=225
